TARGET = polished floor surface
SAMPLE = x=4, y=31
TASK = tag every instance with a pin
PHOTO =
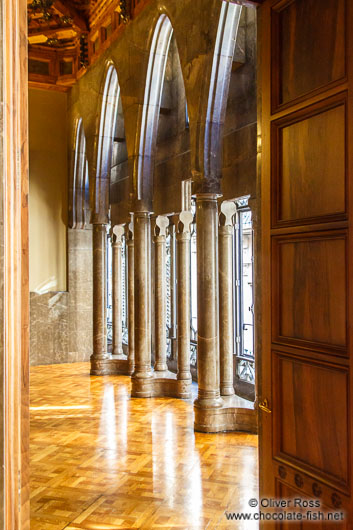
x=102, y=461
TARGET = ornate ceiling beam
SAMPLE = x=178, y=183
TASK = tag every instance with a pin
x=66, y=9
x=48, y=31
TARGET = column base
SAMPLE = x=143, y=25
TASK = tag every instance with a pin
x=227, y=390
x=142, y=385
x=235, y=414
x=166, y=386
x=131, y=368
x=183, y=388
x=110, y=366
x=117, y=352
x=160, y=367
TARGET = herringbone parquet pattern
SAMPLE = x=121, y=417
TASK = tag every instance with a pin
x=103, y=461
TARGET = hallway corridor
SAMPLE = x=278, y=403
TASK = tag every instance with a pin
x=101, y=460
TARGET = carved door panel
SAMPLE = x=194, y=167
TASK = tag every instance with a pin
x=306, y=88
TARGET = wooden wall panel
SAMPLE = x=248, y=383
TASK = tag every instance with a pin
x=309, y=46
x=311, y=419
x=307, y=309
x=311, y=172
x=306, y=72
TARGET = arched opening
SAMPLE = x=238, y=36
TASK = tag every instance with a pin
x=152, y=104
x=112, y=171
x=107, y=128
x=80, y=182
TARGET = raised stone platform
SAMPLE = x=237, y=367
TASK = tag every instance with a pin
x=235, y=414
x=161, y=384
x=113, y=365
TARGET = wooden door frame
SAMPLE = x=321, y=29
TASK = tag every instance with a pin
x=15, y=323
x=15, y=264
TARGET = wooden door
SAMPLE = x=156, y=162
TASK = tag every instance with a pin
x=305, y=84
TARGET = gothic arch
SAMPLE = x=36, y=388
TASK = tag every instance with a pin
x=79, y=189
x=104, y=144
x=219, y=87
x=151, y=108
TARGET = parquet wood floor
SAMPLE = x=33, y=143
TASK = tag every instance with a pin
x=103, y=461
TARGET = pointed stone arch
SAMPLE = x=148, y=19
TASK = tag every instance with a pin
x=104, y=145
x=218, y=90
x=79, y=188
x=150, y=111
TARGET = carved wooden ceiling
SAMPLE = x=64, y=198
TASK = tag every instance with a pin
x=66, y=36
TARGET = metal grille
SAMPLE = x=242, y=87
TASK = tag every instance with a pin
x=123, y=292
x=243, y=293
x=109, y=293
x=168, y=274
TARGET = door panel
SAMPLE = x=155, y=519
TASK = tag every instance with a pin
x=311, y=417
x=309, y=47
x=307, y=310
x=306, y=124
x=310, y=148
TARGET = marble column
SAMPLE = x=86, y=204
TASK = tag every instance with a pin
x=129, y=238
x=160, y=290
x=142, y=377
x=99, y=296
x=207, y=307
x=225, y=263
x=117, y=233
x=183, y=237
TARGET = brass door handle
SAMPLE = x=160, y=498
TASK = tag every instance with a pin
x=264, y=405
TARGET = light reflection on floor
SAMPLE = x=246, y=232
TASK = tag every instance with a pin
x=101, y=460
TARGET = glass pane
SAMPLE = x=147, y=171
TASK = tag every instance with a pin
x=247, y=283
x=123, y=292
x=109, y=293
x=169, y=293
x=193, y=274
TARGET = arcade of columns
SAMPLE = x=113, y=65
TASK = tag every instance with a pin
x=216, y=408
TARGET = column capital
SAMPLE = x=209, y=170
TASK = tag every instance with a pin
x=161, y=225
x=142, y=215
x=117, y=233
x=99, y=227
x=183, y=223
x=226, y=216
x=129, y=232
x=207, y=197
x=99, y=219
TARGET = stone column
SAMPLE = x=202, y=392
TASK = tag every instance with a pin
x=99, y=296
x=117, y=233
x=142, y=377
x=207, y=307
x=183, y=237
x=160, y=290
x=130, y=297
x=226, y=231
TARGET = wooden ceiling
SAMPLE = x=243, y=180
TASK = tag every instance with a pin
x=66, y=36
x=58, y=23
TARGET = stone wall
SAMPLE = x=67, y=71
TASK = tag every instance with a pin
x=61, y=322
x=187, y=79
x=67, y=336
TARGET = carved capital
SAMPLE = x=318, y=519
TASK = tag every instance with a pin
x=226, y=216
x=129, y=232
x=184, y=222
x=161, y=226
x=117, y=233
